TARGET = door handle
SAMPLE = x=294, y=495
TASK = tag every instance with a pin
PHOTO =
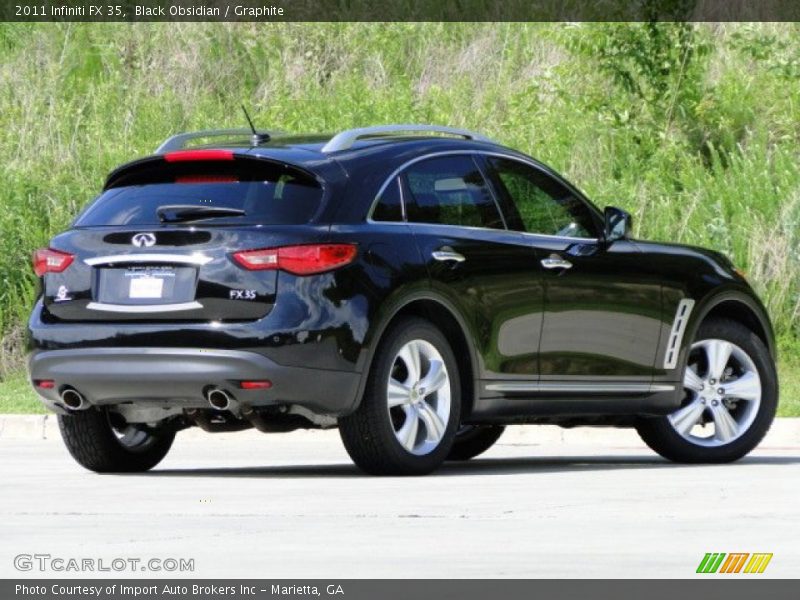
x=446, y=254
x=556, y=262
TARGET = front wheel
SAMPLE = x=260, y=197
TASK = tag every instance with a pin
x=100, y=442
x=408, y=416
x=731, y=395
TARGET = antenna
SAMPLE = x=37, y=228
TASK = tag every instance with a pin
x=257, y=137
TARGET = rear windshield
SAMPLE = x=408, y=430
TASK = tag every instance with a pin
x=267, y=193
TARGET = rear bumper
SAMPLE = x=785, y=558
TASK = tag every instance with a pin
x=178, y=377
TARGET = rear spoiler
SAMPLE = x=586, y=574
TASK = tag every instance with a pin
x=153, y=168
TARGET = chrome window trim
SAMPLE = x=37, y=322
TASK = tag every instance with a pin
x=470, y=228
x=398, y=170
x=579, y=387
x=143, y=308
x=188, y=259
x=402, y=199
x=675, y=340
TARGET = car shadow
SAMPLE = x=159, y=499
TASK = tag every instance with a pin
x=478, y=466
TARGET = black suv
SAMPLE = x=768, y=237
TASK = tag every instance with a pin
x=417, y=287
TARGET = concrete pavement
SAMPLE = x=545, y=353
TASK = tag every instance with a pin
x=292, y=505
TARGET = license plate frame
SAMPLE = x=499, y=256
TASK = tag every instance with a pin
x=146, y=285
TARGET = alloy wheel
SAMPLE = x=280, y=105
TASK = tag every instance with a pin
x=723, y=394
x=418, y=397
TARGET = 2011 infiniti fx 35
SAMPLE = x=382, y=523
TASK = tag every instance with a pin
x=417, y=287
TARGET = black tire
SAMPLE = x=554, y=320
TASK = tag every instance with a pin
x=659, y=434
x=368, y=434
x=473, y=440
x=93, y=443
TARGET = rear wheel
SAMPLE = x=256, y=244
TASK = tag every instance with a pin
x=731, y=395
x=100, y=442
x=472, y=440
x=407, y=419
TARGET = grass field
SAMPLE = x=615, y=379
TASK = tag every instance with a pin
x=692, y=128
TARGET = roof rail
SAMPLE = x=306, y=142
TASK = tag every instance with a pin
x=346, y=139
x=178, y=142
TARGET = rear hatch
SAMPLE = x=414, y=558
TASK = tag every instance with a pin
x=158, y=243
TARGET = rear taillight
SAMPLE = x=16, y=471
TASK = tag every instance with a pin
x=299, y=260
x=46, y=260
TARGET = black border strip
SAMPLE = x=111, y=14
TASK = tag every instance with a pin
x=399, y=10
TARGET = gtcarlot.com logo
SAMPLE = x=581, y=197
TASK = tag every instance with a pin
x=734, y=562
x=60, y=564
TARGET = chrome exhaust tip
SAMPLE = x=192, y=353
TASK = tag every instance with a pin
x=219, y=399
x=73, y=399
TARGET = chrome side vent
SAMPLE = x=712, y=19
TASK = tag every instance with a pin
x=676, y=335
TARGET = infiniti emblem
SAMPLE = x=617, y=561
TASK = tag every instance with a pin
x=144, y=240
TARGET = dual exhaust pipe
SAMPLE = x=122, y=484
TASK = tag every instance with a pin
x=217, y=398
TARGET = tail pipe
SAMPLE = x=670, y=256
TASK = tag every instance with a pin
x=73, y=399
x=219, y=399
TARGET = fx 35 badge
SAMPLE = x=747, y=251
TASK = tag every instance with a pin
x=242, y=294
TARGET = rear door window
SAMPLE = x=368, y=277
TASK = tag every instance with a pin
x=450, y=190
x=240, y=192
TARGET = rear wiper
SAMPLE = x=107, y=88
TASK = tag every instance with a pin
x=192, y=212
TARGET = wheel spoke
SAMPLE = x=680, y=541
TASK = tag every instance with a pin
x=398, y=393
x=725, y=426
x=687, y=417
x=746, y=387
x=435, y=379
x=434, y=427
x=407, y=434
x=409, y=354
x=718, y=353
x=691, y=380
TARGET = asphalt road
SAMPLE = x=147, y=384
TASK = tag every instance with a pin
x=293, y=506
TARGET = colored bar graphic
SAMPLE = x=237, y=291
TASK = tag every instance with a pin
x=758, y=563
x=734, y=562
x=711, y=562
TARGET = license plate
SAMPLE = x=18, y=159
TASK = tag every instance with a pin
x=146, y=287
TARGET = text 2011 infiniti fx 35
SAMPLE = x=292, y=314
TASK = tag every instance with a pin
x=417, y=287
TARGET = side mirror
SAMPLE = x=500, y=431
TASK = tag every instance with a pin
x=618, y=223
